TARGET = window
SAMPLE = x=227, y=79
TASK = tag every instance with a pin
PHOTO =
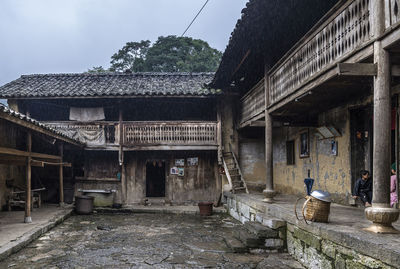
x=304, y=144
x=290, y=152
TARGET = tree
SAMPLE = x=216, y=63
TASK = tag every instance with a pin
x=167, y=54
x=131, y=57
x=182, y=54
x=97, y=69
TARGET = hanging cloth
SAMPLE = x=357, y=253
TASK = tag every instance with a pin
x=86, y=113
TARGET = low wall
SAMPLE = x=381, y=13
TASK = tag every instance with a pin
x=319, y=245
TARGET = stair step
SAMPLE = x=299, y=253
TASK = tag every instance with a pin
x=249, y=240
x=236, y=245
x=260, y=230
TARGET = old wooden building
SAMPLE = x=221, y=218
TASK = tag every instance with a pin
x=150, y=137
x=32, y=161
x=317, y=87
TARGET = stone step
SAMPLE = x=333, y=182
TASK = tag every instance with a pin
x=249, y=240
x=236, y=245
x=269, y=221
x=260, y=230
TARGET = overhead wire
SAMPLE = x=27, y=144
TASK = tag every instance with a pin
x=198, y=13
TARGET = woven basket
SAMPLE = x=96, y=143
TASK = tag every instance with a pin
x=314, y=210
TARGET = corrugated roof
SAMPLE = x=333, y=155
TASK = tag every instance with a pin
x=108, y=84
x=24, y=117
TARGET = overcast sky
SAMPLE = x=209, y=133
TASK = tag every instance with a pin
x=68, y=36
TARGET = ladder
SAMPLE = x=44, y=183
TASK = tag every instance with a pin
x=233, y=172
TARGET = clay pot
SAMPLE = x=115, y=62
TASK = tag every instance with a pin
x=206, y=208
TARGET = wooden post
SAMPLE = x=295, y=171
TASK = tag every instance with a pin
x=28, y=198
x=219, y=133
x=380, y=213
x=269, y=192
x=121, y=157
x=61, y=174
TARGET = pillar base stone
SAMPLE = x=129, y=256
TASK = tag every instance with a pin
x=28, y=220
x=382, y=218
x=269, y=195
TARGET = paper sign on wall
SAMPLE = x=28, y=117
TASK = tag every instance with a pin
x=179, y=162
x=181, y=171
x=193, y=161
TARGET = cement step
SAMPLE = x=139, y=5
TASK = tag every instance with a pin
x=260, y=230
x=236, y=245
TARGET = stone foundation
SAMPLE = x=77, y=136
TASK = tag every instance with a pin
x=313, y=250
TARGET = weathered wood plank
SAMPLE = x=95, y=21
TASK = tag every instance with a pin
x=16, y=152
x=356, y=69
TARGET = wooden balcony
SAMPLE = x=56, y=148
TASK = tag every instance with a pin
x=144, y=135
x=341, y=33
x=170, y=135
x=253, y=104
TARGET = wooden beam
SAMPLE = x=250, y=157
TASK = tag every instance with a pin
x=28, y=197
x=258, y=123
x=356, y=69
x=16, y=152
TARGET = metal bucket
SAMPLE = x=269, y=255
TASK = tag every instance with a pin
x=84, y=204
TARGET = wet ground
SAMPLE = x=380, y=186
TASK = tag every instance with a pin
x=142, y=241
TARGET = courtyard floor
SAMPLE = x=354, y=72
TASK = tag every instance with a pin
x=142, y=241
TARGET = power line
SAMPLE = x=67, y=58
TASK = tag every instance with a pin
x=198, y=13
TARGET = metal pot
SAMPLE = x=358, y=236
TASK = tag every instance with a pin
x=321, y=195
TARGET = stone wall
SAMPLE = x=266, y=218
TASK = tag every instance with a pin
x=252, y=162
x=331, y=173
x=315, y=251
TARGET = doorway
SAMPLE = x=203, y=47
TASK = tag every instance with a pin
x=155, y=179
x=361, y=132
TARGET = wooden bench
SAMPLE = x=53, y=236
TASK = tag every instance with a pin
x=17, y=196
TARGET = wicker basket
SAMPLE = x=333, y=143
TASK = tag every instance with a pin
x=314, y=210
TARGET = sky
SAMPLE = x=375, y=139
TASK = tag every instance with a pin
x=71, y=36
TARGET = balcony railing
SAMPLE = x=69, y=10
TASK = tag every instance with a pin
x=392, y=12
x=150, y=133
x=253, y=103
x=93, y=134
x=170, y=133
x=338, y=36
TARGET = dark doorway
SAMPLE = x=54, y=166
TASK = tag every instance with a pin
x=361, y=141
x=155, y=179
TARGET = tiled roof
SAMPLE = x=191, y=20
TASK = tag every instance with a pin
x=108, y=84
x=17, y=115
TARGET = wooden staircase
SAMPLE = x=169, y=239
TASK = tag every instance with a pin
x=233, y=172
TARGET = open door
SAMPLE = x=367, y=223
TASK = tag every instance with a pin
x=155, y=179
x=361, y=132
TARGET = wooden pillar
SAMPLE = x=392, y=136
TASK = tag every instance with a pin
x=269, y=192
x=219, y=132
x=121, y=156
x=28, y=198
x=380, y=213
x=61, y=174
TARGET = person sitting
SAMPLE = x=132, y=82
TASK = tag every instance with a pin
x=363, y=188
x=393, y=186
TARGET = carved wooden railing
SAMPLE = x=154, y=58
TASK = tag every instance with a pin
x=392, y=12
x=338, y=36
x=170, y=133
x=253, y=103
x=93, y=133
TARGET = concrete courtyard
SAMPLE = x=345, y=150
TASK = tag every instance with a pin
x=142, y=241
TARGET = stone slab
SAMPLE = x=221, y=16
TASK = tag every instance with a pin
x=260, y=230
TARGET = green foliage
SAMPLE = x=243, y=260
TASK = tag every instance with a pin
x=97, y=69
x=167, y=54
